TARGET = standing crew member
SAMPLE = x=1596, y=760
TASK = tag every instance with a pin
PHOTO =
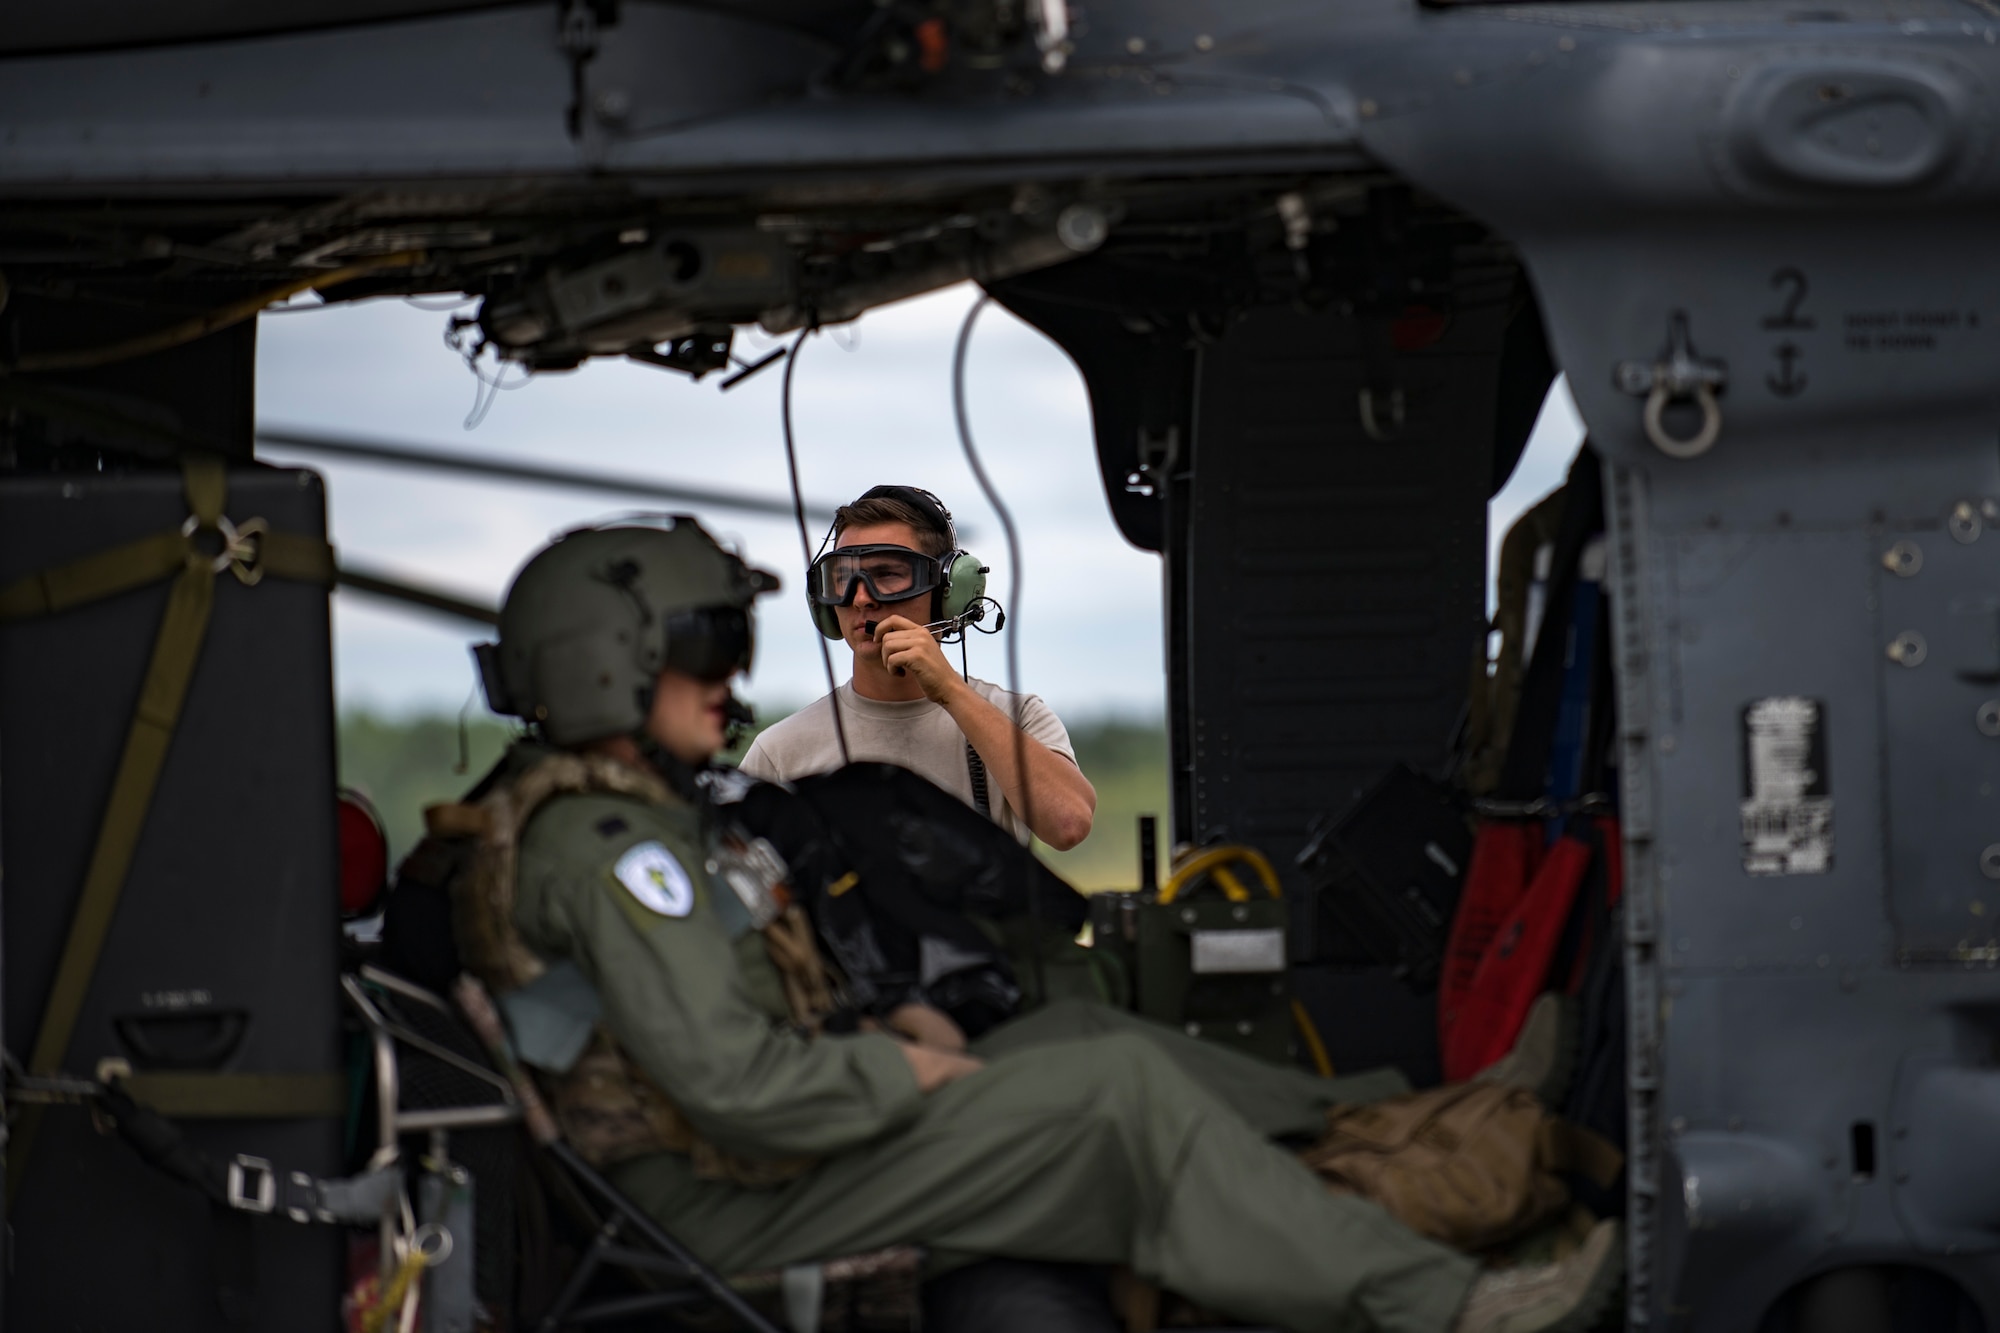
x=895, y=572
x=711, y=1096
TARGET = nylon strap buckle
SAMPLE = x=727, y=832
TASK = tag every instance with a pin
x=302, y=1200
x=242, y=1172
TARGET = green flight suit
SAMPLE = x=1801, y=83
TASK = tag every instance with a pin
x=1089, y=1137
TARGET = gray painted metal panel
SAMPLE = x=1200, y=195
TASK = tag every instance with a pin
x=1756, y=616
x=675, y=91
x=1942, y=758
x=1830, y=268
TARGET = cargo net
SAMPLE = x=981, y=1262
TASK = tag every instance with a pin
x=492, y=1155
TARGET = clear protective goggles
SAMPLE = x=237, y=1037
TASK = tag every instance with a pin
x=710, y=643
x=890, y=573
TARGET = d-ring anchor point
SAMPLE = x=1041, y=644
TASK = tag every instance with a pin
x=1680, y=374
x=1695, y=445
x=433, y=1242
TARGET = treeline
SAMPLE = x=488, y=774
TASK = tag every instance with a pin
x=405, y=764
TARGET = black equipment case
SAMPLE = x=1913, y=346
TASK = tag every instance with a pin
x=1389, y=869
x=222, y=955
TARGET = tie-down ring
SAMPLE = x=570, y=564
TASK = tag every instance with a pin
x=1678, y=376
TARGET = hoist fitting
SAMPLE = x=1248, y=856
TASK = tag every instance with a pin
x=1680, y=375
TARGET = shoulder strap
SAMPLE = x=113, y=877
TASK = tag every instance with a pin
x=1524, y=772
x=976, y=766
x=483, y=901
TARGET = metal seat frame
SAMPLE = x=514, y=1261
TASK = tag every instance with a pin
x=626, y=1238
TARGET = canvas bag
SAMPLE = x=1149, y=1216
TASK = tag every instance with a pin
x=1471, y=1165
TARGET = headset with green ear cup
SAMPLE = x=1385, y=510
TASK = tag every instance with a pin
x=964, y=585
x=961, y=584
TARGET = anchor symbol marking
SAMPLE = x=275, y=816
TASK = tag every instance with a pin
x=1787, y=381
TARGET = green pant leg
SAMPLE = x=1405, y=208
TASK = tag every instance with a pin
x=1101, y=1151
x=1278, y=1101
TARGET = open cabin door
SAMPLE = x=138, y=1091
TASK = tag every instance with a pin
x=1315, y=477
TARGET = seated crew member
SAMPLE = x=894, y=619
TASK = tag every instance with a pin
x=1079, y=1134
x=896, y=570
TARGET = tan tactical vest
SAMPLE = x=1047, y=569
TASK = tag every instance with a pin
x=608, y=1109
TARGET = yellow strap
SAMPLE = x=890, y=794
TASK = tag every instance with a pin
x=1209, y=858
x=189, y=1096
x=376, y=1317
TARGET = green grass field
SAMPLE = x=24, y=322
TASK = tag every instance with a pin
x=404, y=764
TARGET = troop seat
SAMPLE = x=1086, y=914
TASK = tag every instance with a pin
x=437, y=1070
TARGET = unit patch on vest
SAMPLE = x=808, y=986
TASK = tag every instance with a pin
x=656, y=879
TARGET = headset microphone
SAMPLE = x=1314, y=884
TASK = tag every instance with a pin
x=950, y=625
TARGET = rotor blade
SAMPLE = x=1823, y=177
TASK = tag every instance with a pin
x=610, y=483
x=410, y=594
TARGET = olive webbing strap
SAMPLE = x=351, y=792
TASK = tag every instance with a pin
x=104, y=574
x=285, y=555
x=200, y=1094
x=295, y=556
x=160, y=696
x=176, y=649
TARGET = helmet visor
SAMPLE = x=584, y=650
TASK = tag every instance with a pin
x=890, y=573
x=710, y=643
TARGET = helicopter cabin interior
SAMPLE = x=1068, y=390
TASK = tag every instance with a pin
x=1304, y=392
x=1318, y=282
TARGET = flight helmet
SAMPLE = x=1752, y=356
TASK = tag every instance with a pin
x=592, y=620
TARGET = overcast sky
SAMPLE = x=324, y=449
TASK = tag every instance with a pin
x=871, y=404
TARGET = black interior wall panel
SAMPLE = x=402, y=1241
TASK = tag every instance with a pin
x=223, y=952
x=1336, y=582
x=1324, y=590
x=1331, y=592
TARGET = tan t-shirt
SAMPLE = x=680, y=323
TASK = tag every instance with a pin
x=919, y=735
